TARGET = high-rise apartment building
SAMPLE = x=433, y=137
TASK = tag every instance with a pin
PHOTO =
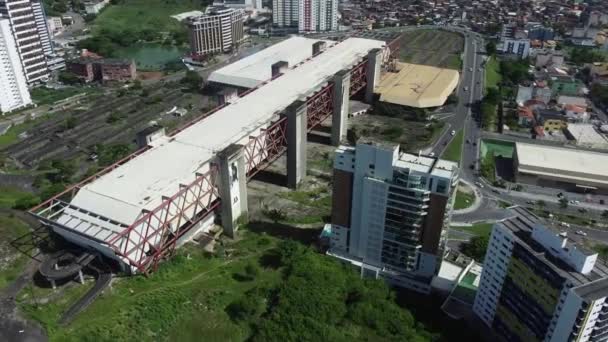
x=26, y=32
x=306, y=15
x=539, y=285
x=13, y=87
x=317, y=15
x=391, y=211
x=219, y=30
x=42, y=26
x=285, y=13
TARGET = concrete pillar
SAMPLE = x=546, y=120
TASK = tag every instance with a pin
x=374, y=64
x=339, y=119
x=232, y=188
x=296, y=142
x=80, y=277
x=53, y=284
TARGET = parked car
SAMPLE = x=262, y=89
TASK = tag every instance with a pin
x=580, y=232
x=564, y=224
x=453, y=132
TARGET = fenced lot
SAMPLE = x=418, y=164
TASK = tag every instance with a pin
x=432, y=47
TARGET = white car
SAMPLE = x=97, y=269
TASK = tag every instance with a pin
x=432, y=154
x=580, y=232
x=564, y=224
x=479, y=184
x=453, y=132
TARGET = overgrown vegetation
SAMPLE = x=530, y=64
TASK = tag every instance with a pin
x=487, y=167
x=476, y=247
x=453, y=151
x=11, y=261
x=463, y=199
x=44, y=95
x=296, y=294
x=583, y=55
x=127, y=22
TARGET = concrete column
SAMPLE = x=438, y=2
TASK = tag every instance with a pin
x=374, y=64
x=80, y=277
x=296, y=142
x=339, y=119
x=53, y=284
x=232, y=187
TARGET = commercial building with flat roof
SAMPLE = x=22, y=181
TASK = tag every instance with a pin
x=219, y=30
x=391, y=211
x=568, y=168
x=255, y=69
x=419, y=86
x=540, y=284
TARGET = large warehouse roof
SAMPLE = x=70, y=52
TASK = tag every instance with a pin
x=570, y=165
x=255, y=69
x=419, y=86
x=140, y=184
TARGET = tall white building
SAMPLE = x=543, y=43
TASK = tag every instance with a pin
x=317, y=15
x=538, y=284
x=285, y=13
x=43, y=28
x=390, y=212
x=219, y=30
x=27, y=34
x=13, y=87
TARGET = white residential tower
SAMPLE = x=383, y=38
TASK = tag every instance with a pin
x=13, y=87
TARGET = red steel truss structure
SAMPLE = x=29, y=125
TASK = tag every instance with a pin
x=153, y=236
x=319, y=106
x=265, y=148
x=358, y=77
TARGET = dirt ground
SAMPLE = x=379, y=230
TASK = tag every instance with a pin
x=432, y=47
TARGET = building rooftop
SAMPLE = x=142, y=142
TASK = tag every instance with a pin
x=522, y=225
x=419, y=86
x=569, y=164
x=586, y=134
x=429, y=165
x=141, y=183
x=251, y=71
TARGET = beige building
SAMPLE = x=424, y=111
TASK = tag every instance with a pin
x=419, y=86
x=219, y=30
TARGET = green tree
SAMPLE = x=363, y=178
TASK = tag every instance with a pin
x=67, y=77
x=476, y=247
x=605, y=215
x=541, y=204
x=252, y=271
x=563, y=203
x=452, y=99
x=491, y=48
x=192, y=80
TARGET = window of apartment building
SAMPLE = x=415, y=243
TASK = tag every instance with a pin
x=442, y=186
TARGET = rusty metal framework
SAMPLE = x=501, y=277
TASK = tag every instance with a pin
x=155, y=234
x=358, y=77
x=265, y=148
x=320, y=106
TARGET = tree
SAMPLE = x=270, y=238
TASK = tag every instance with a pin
x=541, y=204
x=491, y=48
x=192, y=80
x=476, y=247
x=70, y=122
x=452, y=99
x=605, y=215
x=563, y=203
x=252, y=271
x=67, y=77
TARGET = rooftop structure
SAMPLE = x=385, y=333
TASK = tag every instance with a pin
x=586, y=135
x=133, y=208
x=419, y=86
x=555, y=164
x=252, y=70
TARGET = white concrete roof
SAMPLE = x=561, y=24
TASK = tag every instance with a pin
x=587, y=135
x=255, y=69
x=572, y=165
x=140, y=184
x=428, y=165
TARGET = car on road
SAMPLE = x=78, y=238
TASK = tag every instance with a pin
x=580, y=232
x=496, y=191
x=564, y=224
x=471, y=69
x=529, y=202
x=453, y=132
x=479, y=69
x=479, y=184
x=432, y=154
x=466, y=88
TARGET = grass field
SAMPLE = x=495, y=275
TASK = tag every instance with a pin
x=142, y=15
x=463, y=200
x=11, y=261
x=479, y=229
x=453, y=151
x=493, y=76
x=9, y=196
x=189, y=292
x=43, y=95
x=432, y=47
x=497, y=148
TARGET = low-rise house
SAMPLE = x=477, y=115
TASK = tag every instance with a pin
x=103, y=70
x=551, y=120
